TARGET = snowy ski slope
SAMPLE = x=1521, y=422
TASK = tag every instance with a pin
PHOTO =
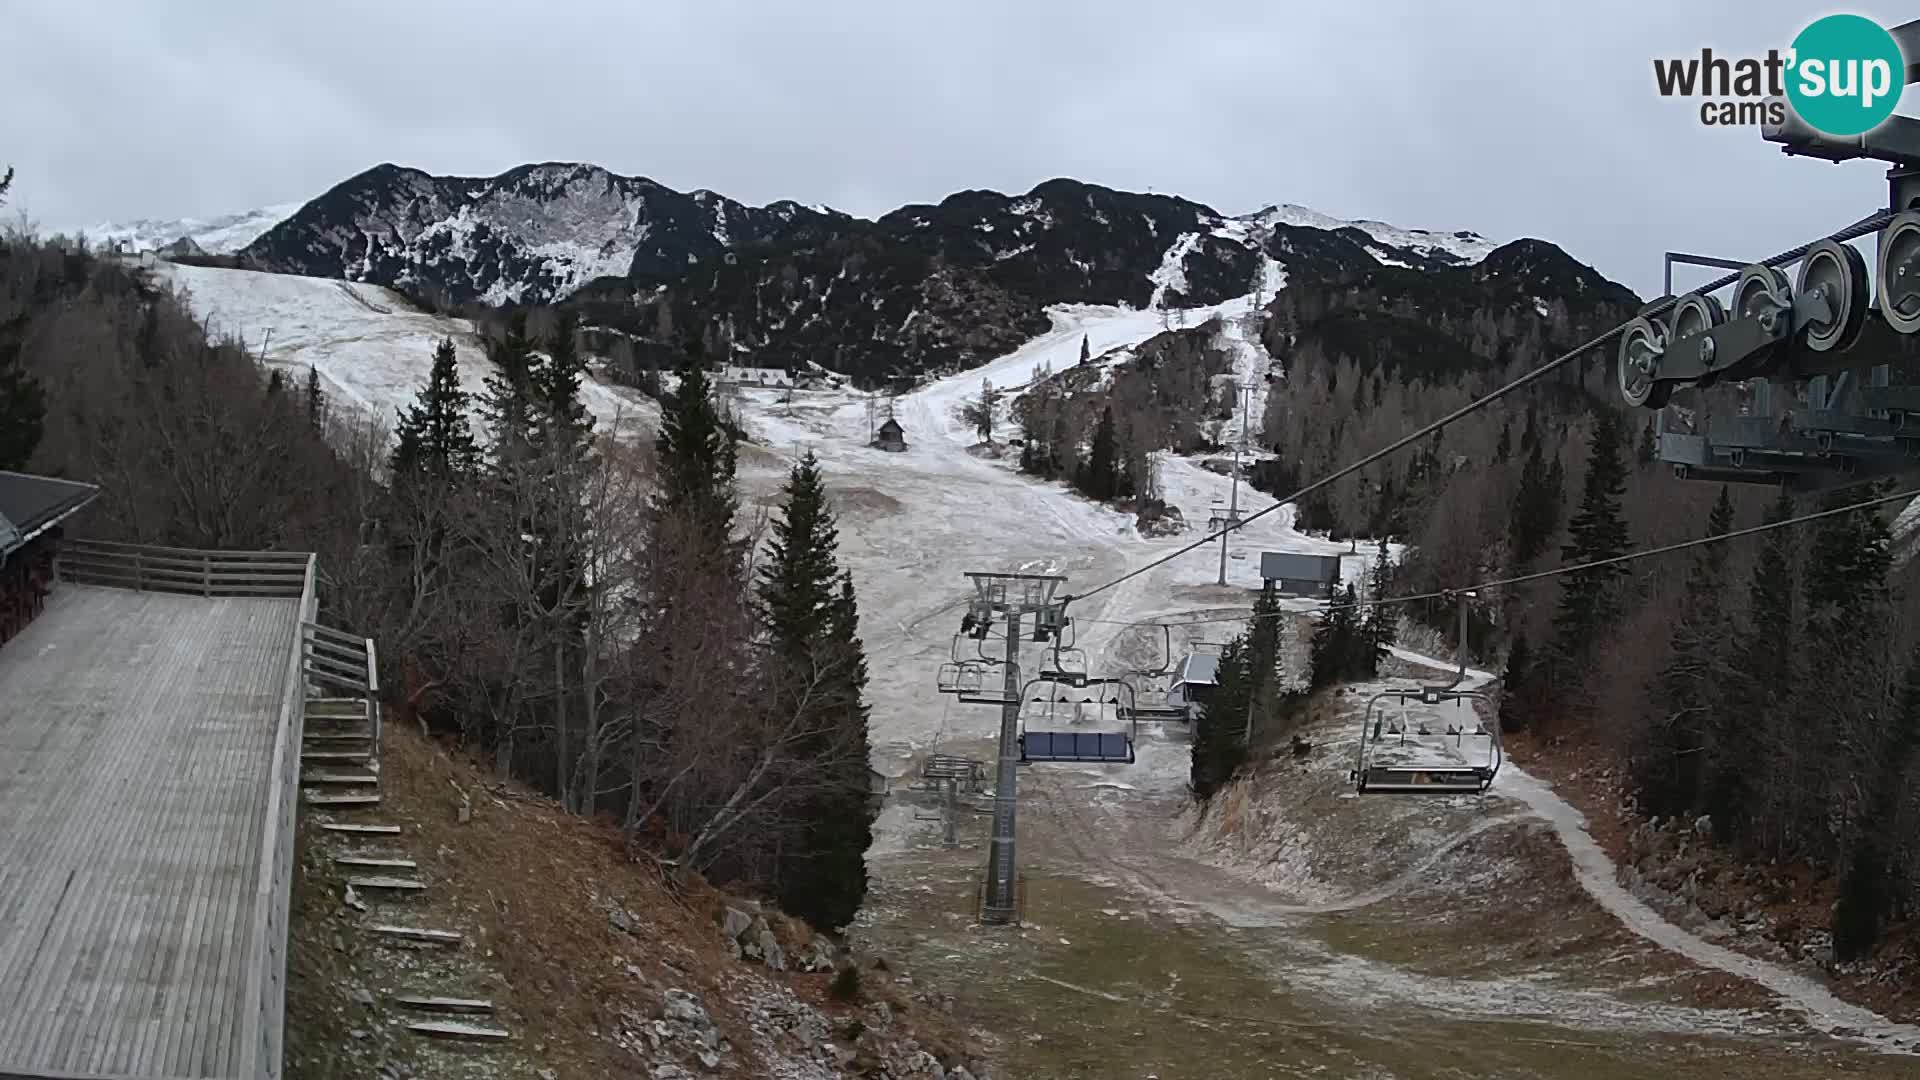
x=372, y=348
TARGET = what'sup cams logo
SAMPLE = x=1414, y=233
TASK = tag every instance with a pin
x=1843, y=76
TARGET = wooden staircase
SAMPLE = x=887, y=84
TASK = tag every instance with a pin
x=340, y=777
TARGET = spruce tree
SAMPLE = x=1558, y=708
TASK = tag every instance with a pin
x=1377, y=631
x=1515, y=704
x=1590, y=599
x=1503, y=449
x=561, y=419
x=434, y=437
x=316, y=400
x=1647, y=444
x=1759, y=682
x=1536, y=507
x=1099, y=473
x=1086, y=353
x=1335, y=641
x=1870, y=890
x=508, y=403
x=1218, y=736
x=23, y=405
x=1671, y=776
x=818, y=670
x=696, y=452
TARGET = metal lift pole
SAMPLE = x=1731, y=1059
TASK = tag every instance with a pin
x=952, y=839
x=1233, y=503
x=1000, y=905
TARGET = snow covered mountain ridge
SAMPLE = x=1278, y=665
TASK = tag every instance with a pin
x=930, y=287
x=538, y=233
x=222, y=235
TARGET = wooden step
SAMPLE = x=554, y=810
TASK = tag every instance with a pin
x=415, y=933
x=333, y=757
x=394, y=883
x=340, y=779
x=336, y=738
x=317, y=799
x=443, y=1004
x=374, y=863
x=361, y=830
x=454, y=1029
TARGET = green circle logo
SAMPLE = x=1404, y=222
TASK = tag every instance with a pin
x=1847, y=75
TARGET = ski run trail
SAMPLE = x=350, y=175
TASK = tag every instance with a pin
x=912, y=523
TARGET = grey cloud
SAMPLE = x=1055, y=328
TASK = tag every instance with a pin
x=1510, y=117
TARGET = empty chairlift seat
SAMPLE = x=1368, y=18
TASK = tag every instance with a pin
x=1424, y=780
x=1100, y=747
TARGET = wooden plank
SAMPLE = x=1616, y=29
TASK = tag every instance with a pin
x=332, y=757
x=375, y=862
x=335, y=779
x=396, y=884
x=340, y=800
x=453, y=1029
x=426, y=1003
x=137, y=745
x=360, y=830
x=414, y=933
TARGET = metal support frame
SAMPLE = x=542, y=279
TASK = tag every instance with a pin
x=1242, y=398
x=1013, y=596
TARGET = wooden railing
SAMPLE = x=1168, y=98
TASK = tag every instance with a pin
x=264, y=1024
x=186, y=570
x=337, y=660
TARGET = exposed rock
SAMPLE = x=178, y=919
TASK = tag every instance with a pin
x=735, y=923
x=776, y=957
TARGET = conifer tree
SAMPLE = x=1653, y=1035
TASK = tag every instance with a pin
x=1686, y=691
x=1377, y=631
x=508, y=403
x=696, y=452
x=1536, y=508
x=1099, y=473
x=562, y=423
x=1590, y=599
x=1086, y=353
x=1503, y=449
x=434, y=436
x=1647, y=444
x=1218, y=736
x=1759, y=682
x=1335, y=641
x=316, y=400
x=1871, y=887
x=1515, y=704
x=818, y=668
x=23, y=405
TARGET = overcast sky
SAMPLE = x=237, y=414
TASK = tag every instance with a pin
x=1509, y=117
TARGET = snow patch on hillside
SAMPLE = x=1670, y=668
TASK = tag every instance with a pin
x=216, y=236
x=1462, y=246
x=370, y=347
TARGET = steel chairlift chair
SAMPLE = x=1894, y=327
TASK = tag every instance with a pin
x=1153, y=703
x=1052, y=744
x=1384, y=766
x=1063, y=660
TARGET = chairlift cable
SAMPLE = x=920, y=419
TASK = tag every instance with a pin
x=1631, y=556
x=1852, y=232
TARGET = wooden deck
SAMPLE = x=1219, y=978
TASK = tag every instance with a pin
x=137, y=753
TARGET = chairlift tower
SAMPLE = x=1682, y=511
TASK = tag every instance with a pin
x=1243, y=397
x=1014, y=597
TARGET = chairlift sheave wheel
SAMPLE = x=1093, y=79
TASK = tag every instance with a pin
x=1840, y=272
x=1897, y=282
x=1641, y=346
x=1696, y=313
x=1761, y=289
